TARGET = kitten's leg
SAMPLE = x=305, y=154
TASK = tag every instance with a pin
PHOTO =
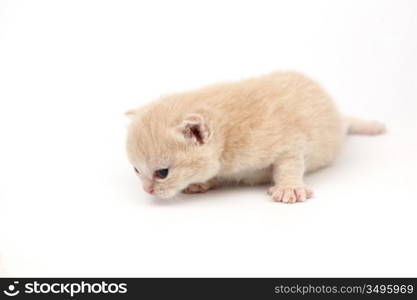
x=288, y=174
x=202, y=187
x=359, y=126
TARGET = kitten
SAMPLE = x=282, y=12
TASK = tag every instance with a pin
x=273, y=129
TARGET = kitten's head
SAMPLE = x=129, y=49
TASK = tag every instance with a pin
x=169, y=153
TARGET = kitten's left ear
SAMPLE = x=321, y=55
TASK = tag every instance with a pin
x=195, y=129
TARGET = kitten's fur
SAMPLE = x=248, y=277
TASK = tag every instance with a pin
x=268, y=129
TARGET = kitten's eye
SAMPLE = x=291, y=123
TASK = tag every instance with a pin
x=136, y=170
x=161, y=173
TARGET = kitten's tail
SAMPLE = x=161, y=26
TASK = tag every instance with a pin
x=359, y=126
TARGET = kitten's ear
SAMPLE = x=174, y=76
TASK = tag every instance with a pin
x=195, y=129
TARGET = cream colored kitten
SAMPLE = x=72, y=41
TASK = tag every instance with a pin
x=273, y=129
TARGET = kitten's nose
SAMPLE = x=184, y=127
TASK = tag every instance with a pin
x=148, y=186
x=150, y=191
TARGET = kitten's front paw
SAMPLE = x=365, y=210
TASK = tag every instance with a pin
x=201, y=187
x=290, y=194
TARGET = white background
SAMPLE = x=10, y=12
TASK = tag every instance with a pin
x=70, y=204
